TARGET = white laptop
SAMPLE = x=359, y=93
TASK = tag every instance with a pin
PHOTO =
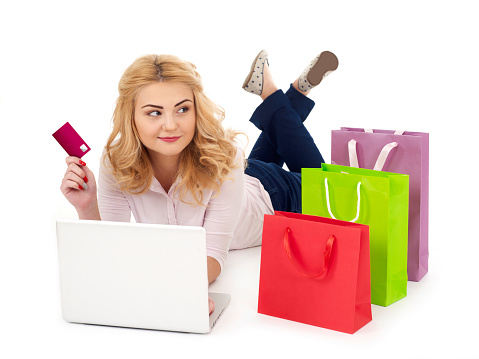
x=135, y=275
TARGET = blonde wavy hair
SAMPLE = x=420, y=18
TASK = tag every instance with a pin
x=204, y=164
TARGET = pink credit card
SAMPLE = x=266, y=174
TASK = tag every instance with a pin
x=71, y=141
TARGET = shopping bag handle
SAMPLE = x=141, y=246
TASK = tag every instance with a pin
x=383, y=156
x=397, y=132
x=327, y=255
x=329, y=204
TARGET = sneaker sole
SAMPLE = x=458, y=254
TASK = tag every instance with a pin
x=326, y=63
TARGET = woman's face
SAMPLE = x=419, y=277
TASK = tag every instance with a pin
x=165, y=118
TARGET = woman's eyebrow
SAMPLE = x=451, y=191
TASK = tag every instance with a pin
x=161, y=107
x=179, y=103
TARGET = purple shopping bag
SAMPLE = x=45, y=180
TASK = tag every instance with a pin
x=398, y=152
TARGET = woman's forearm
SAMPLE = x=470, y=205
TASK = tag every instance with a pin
x=90, y=213
x=214, y=269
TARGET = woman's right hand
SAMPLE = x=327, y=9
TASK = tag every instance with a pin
x=79, y=188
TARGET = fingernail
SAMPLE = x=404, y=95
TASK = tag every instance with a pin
x=85, y=179
x=85, y=186
x=82, y=163
x=80, y=187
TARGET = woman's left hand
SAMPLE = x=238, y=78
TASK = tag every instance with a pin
x=211, y=305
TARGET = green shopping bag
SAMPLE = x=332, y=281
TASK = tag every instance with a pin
x=377, y=199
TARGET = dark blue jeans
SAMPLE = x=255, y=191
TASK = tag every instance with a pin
x=283, y=139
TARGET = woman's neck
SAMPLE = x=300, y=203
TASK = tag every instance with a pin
x=165, y=169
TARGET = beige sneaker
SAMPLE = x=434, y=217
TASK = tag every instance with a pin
x=254, y=81
x=321, y=66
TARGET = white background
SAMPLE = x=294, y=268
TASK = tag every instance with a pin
x=403, y=65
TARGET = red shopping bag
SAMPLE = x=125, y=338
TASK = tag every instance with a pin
x=315, y=270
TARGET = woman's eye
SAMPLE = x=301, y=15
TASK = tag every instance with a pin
x=183, y=110
x=154, y=113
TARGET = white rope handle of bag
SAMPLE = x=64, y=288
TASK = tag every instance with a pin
x=383, y=155
x=397, y=132
x=329, y=204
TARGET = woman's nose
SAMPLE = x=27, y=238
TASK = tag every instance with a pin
x=169, y=123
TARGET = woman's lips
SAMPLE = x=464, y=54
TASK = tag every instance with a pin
x=170, y=139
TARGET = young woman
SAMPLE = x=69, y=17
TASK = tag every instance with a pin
x=168, y=159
